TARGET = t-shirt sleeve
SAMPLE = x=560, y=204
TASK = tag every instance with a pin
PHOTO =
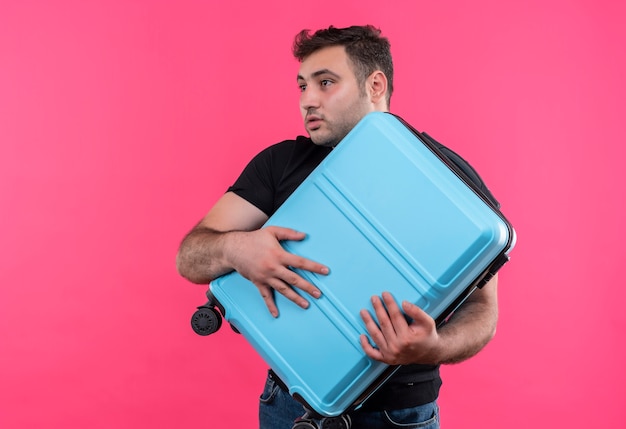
x=255, y=183
x=467, y=170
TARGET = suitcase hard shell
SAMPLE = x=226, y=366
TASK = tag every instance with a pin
x=385, y=213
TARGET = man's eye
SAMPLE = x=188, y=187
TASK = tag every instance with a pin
x=326, y=82
x=302, y=87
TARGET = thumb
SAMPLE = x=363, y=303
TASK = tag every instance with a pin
x=414, y=312
x=286, y=233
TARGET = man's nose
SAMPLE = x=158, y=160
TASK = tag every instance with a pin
x=309, y=99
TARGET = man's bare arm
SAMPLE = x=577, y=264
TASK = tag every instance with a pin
x=229, y=238
x=203, y=253
x=471, y=326
x=398, y=343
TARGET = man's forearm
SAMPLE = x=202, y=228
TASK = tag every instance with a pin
x=471, y=327
x=202, y=255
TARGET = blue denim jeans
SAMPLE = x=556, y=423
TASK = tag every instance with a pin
x=278, y=410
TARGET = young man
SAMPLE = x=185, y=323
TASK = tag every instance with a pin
x=344, y=74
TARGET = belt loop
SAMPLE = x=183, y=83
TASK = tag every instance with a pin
x=272, y=375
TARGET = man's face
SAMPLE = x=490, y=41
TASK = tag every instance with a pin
x=331, y=101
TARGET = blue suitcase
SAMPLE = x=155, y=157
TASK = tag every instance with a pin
x=385, y=211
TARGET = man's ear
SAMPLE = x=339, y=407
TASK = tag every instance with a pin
x=377, y=87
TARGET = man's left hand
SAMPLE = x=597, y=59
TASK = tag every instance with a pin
x=397, y=341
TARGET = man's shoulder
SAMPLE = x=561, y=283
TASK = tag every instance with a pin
x=300, y=142
x=300, y=147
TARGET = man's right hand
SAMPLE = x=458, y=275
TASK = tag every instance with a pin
x=231, y=237
x=259, y=257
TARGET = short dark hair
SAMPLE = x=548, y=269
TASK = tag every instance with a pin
x=365, y=47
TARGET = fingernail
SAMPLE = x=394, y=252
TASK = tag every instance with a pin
x=317, y=293
x=325, y=270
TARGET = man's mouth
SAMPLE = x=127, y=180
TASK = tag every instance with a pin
x=313, y=122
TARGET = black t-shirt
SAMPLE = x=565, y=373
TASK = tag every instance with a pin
x=269, y=179
x=277, y=171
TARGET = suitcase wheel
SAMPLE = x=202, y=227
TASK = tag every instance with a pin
x=339, y=422
x=206, y=321
x=304, y=424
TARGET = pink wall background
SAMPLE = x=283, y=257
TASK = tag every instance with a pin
x=121, y=122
